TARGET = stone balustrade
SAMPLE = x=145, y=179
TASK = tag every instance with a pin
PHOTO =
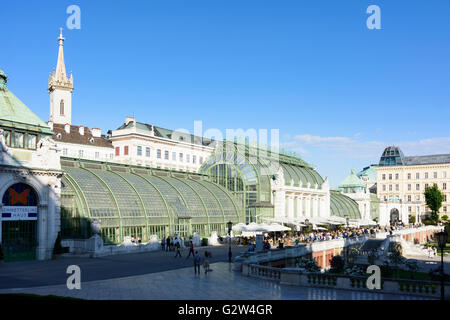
x=429, y=289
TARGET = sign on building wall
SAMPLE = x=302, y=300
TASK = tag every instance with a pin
x=19, y=213
x=19, y=203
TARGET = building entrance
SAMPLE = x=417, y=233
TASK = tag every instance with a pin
x=19, y=223
x=395, y=216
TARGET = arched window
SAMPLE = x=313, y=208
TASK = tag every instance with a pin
x=61, y=107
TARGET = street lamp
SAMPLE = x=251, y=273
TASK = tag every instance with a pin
x=230, y=225
x=442, y=240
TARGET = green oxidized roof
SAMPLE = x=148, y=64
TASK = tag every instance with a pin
x=369, y=172
x=15, y=114
x=352, y=180
x=343, y=206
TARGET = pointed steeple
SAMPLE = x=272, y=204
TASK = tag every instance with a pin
x=60, y=87
x=60, y=66
x=59, y=77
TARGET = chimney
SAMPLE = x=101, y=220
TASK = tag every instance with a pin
x=50, y=124
x=81, y=130
x=129, y=119
x=96, y=132
x=67, y=128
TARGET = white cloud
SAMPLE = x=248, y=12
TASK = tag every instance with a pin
x=356, y=148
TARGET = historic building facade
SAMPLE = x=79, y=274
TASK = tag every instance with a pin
x=148, y=145
x=403, y=180
x=30, y=181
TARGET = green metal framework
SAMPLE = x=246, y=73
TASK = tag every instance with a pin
x=247, y=171
x=141, y=202
x=343, y=206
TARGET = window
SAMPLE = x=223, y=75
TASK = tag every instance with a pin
x=188, y=158
x=61, y=108
x=147, y=152
x=417, y=175
x=111, y=156
x=397, y=187
x=80, y=153
x=409, y=198
x=426, y=175
x=7, y=136
x=64, y=151
x=139, y=151
x=117, y=151
x=426, y=185
x=181, y=157
x=444, y=186
x=445, y=198
x=18, y=139
x=409, y=176
x=174, y=156
x=194, y=159
x=396, y=176
x=383, y=177
x=158, y=153
x=409, y=208
x=417, y=187
x=200, y=161
x=97, y=155
x=166, y=155
x=384, y=187
x=30, y=140
x=409, y=187
x=435, y=175
x=125, y=150
x=445, y=209
x=390, y=176
x=444, y=174
x=390, y=187
x=418, y=198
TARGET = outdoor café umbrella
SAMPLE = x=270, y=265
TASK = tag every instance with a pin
x=238, y=227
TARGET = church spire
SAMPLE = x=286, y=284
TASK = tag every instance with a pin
x=60, y=66
x=60, y=87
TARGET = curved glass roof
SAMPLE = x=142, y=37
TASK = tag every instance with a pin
x=263, y=166
x=343, y=206
x=138, y=196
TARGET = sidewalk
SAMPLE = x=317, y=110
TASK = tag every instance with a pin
x=221, y=284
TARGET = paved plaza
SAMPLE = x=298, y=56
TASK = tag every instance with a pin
x=158, y=275
x=181, y=284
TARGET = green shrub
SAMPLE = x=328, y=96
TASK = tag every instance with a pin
x=204, y=242
x=337, y=264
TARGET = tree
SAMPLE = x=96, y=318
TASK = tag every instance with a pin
x=412, y=219
x=445, y=218
x=433, y=199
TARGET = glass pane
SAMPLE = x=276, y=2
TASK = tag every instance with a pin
x=30, y=141
x=18, y=139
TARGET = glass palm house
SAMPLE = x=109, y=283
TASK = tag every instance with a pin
x=140, y=202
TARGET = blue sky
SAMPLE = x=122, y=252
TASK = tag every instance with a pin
x=337, y=91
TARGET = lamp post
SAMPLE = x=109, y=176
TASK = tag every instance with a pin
x=230, y=225
x=442, y=240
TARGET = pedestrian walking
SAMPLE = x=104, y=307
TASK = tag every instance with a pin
x=206, y=262
x=168, y=243
x=191, y=249
x=177, y=249
x=163, y=244
x=197, y=262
